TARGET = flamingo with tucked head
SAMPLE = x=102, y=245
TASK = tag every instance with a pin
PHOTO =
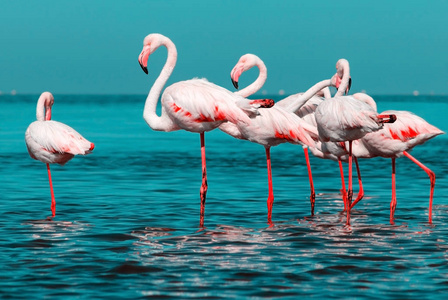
x=53, y=142
x=394, y=141
x=345, y=118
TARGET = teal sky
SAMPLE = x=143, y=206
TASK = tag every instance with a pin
x=91, y=47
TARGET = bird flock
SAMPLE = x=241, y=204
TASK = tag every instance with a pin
x=341, y=127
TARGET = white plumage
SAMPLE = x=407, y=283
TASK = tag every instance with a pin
x=52, y=141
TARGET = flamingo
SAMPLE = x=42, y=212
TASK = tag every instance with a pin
x=195, y=105
x=394, y=141
x=303, y=110
x=345, y=118
x=53, y=142
x=275, y=126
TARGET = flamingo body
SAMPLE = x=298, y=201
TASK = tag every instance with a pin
x=408, y=131
x=345, y=118
x=198, y=105
x=194, y=105
x=54, y=142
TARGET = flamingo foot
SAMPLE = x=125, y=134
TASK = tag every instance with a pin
x=202, y=213
x=349, y=201
x=312, y=201
x=393, y=206
x=270, y=204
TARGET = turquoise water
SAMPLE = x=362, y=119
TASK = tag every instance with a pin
x=127, y=215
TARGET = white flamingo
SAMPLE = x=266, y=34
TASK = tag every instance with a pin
x=294, y=103
x=278, y=125
x=396, y=140
x=194, y=105
x=53, y=142
x=345, y=118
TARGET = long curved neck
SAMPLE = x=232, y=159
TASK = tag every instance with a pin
x=327, y=93
x=258, y=83
x=344, y=72
x=43, y=108
x=163, y=122
x=302, y=99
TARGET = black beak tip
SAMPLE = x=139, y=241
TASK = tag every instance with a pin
x=145, y=69
x=235, y=83
x=393, y=118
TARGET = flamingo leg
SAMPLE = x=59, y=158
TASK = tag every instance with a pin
x=393, y=202
x=361, y=189
x=310, y=176
x=432, y=178
x=204, y=186
x=53, y=201
x=350, y=181
x=343, y=190
x=270, y=201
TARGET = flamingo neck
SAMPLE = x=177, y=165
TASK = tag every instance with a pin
x=258, y=83
x=43, y=108
x=327, y=93
x=163, y=122
x=302, y=99
x=344, y=72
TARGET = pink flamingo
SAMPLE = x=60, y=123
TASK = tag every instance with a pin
x=345, y=118
x=396, y=140
x=194, y=105
x=294, y=103
x=53, y=142
x=275, y=126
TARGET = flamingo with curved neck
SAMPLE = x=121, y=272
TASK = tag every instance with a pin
x=194, y=105
x=301, y=104
x=275, y=126
x=345, y=118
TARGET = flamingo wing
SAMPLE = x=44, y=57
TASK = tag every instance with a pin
x=199, y=101
x=56, y=137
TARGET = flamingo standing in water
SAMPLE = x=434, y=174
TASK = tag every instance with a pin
x=53, y=142
x=345, y=118
x=275, y=126
x=194, y=105
x=301, y=106
x=396, y=140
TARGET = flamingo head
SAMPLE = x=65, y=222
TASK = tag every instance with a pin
x=245, y=63
x=44, y=104
x=150, y=44
x=343, y=71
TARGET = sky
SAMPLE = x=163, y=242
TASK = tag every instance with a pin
x=91, y=47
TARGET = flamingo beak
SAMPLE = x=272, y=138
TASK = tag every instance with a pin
x=349, y=85
x=143, y=58
x=235, y=83
x=236, y=73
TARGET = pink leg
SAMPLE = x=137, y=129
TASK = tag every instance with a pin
x=393, y=202
x=343, y=190
x=310, y=176
x=204, y=186
x=53, y=201
x=350, y=181
x=270, y=201
x=361, y=189
x=432, y=178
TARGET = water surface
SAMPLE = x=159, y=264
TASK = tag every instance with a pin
x=127, y=215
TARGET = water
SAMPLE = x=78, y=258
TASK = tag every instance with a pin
x=127, y=215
